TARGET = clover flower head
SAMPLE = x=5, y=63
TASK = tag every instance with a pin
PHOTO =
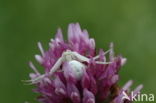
x=76, y=72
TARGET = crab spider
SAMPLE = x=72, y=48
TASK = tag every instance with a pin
x=75, y=60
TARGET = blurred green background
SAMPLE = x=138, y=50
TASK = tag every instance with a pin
x=130, y=24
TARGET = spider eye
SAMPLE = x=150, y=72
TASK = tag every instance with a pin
x=77, y=68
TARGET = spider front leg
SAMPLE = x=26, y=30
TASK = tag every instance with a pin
x=96, y=57
x=52, y=71
x=57, y=65
x=82, y=58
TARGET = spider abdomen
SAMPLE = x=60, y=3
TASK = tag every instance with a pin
x=77, y=68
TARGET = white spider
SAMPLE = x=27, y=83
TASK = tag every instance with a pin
x=75, y=61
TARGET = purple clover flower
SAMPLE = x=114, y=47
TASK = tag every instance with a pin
x=76, y=73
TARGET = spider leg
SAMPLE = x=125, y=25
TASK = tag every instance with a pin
x=35, y=80
x=99, y=62
x=57, y=65
x=111, y=55
x=83, y=58
x=52, y=70
x=80, y=57
x=106, y=52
